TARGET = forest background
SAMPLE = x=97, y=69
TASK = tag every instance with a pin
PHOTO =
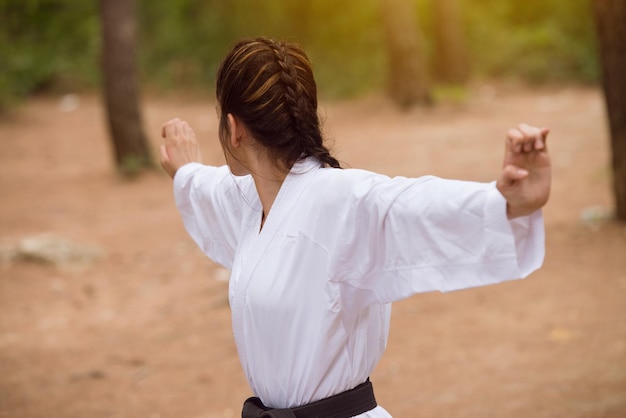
x=107, y=307
x=54, y=45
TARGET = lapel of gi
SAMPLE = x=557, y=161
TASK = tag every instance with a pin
x=294, y=184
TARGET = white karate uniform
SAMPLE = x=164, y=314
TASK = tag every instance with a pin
x=311, y=291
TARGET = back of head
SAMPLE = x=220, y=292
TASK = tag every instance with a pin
x=269, y=86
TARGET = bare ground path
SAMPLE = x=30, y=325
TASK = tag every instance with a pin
x=144, y=329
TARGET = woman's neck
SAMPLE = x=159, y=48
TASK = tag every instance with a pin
x=267, y=174
x=267, y=190
x=268, y=183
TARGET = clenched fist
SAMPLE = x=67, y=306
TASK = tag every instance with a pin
x=180, y=146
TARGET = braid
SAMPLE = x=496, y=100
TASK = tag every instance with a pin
x=270, y=86
x=299, y=108
x=289, y=79
x=292, y=89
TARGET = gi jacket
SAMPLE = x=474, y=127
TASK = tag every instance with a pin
x=310, y=292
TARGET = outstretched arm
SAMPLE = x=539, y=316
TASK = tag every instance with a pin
x=526, y=175
x=180, y=146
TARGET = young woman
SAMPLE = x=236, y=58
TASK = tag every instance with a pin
x=318, y=253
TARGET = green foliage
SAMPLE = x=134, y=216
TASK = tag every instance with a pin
x=347, y=48
x=450, y=94
x=183, y=41
x=50, y=43
x=44, y=43
x=539, y=41
x=131, y=166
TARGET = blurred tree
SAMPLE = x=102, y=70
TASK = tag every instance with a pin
x=610, y=18
x=451, y=64
x=408, y=79
x=121, y=91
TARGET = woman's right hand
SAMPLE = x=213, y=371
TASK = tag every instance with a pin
x=180, y=146
x=526, y=174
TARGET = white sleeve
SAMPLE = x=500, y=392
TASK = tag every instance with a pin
x=207, y=200
x=404, y=236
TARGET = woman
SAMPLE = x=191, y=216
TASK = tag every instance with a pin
x=317, y=254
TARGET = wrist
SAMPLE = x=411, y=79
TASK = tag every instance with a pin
x=513, y=212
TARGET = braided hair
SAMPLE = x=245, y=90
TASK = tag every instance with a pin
x=269, y=86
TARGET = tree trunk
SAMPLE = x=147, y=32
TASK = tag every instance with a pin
x=121, y=91
x=408, y=80
x=610, y=16
x=451, y=62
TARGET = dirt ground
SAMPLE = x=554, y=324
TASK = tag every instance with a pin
x=143, y=329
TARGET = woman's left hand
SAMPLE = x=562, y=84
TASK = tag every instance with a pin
x=526, y=174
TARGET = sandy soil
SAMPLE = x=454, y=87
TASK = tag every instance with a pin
x=143, y=330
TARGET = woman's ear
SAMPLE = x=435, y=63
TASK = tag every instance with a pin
x=235, y=131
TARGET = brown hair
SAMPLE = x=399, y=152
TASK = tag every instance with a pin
x=269, y=86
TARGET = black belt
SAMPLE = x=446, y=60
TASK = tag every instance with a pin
x=343, y=405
